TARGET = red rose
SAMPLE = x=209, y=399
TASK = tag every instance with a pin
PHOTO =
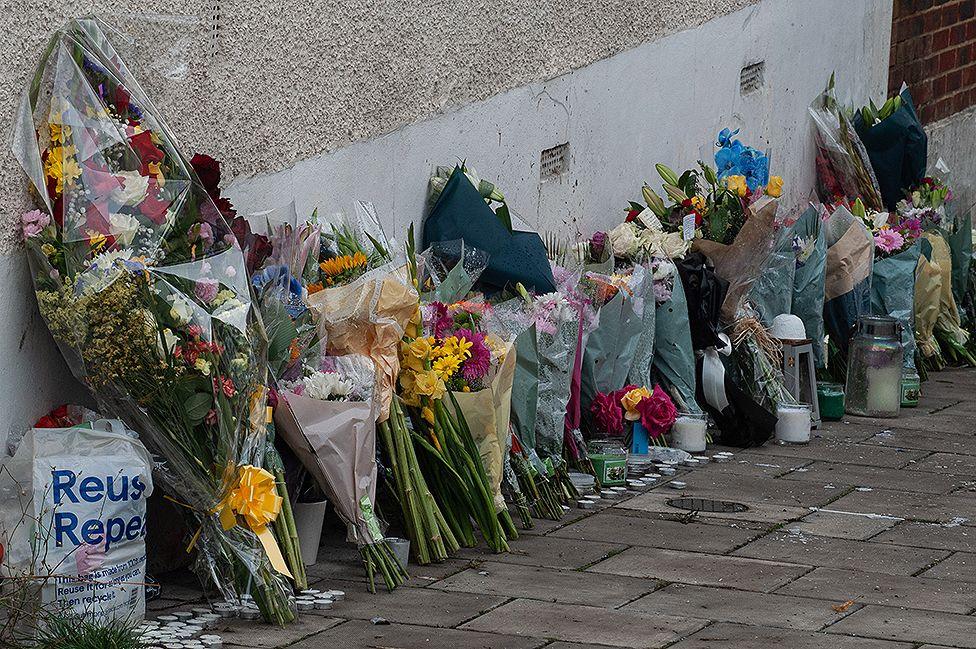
x=146, y=149
x=698, y=218
x=631, y=215
x=208, y=170
x=609, y=417
x=120, y=98
x=657, y=412
x=153, y=208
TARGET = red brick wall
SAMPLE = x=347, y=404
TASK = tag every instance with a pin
x=933, y=49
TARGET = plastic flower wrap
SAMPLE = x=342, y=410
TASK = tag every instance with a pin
x=367, y=299
x=844, y=170
x=145, y=291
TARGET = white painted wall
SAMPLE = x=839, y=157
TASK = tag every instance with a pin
x=954, y=140
x=663, y=101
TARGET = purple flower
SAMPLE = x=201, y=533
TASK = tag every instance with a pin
x=479, y=363
x=202, y=233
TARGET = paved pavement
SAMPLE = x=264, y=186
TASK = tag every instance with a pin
x=864, y=539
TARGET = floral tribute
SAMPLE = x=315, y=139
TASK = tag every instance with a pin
x=654, y=409
x=144, y=288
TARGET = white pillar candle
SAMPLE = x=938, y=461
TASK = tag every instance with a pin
x=884, y=390
x=793, y=424
x=688, y=433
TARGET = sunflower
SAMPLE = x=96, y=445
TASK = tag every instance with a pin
x=344, y=269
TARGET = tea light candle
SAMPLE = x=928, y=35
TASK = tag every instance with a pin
x=688, y=432
x=793, y=424
x=677, y=484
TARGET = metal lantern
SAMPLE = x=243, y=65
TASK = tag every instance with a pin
x=874, y=366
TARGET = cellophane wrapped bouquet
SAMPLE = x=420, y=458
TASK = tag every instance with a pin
x=144, y=289
x=325, y=411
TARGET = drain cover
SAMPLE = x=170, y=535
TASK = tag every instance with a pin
x=707, y=505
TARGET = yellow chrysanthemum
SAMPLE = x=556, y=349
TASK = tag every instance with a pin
x=737, y=185
x=775, y=186
x=59, y=132
x=446, y=366
x=630, y=400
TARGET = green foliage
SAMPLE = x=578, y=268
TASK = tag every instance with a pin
x=75, y=632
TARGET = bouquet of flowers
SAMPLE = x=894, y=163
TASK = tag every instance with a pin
x=458, y=354
x=141, y=283
x=810, y=253
x=326, y=413
x=926, y=203
x=637, y=407
x=362, y=298
x=951, y=337
x=844, y=170
x=895, y=143
x=847, y=283
x=893, y=273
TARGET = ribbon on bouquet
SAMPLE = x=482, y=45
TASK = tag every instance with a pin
x=713, y=374
x=255, y=499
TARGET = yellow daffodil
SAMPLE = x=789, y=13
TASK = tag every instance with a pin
x=630, y=400
x=737, y=185
x=775, y=186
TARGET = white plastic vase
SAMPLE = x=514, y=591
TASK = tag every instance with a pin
x=309, y=518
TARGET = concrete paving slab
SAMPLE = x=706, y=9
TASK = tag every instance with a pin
x=657, y=502
x=585, y=624
x=547, y=584
x=960, y=566
x=909, y=624
x=416, y=606
x=701, y=569
x=548, y=552
x=885, y=590
x=845, y=453
x=364, y=635
x=930, y=535
x=752, y=637
x=924, y=507
x=611, y=525
x=812, y=550
x=727, y=605
x=243, y=633
x=840, y=526
x=874, y=477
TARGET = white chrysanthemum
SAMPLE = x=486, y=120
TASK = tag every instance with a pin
x=326, y=386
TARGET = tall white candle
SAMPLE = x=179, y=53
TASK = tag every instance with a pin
x=884, y=390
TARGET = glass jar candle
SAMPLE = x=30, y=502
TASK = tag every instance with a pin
x=830, y=397
x=874, y=367
x=911, y=388
x=688, y=432
x=793, y=423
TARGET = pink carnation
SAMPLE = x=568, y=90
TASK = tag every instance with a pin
x=888, y=240
x=33, y=222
